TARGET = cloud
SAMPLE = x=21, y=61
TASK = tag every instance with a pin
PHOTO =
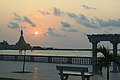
x=88, y=7
x=82, y=19
x=54, y=11
x=65, y=24
x=109, y=22
x=13, y=25
x=94, y=22
x=67, y=27
x=70, y=30
x=72, y=15
x=44, y=12
x=17, y=17
x=52, y=33
x=57, y=11
x=26, y=19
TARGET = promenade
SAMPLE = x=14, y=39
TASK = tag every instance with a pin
x=43, y=71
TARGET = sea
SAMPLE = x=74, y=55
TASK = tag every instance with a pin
x=53, y=53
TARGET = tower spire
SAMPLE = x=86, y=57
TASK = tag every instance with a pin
x=21, y=32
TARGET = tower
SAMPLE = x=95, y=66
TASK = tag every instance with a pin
x=21, y=44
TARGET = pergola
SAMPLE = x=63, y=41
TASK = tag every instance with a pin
x=95, y=39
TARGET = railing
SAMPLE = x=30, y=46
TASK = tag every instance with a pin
x=49, y=59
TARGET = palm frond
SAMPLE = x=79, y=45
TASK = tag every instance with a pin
x=108, y=58
x=104, y=51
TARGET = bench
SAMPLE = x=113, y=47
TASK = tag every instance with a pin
x=66, y=71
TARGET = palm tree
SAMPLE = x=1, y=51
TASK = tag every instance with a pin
x=106, y=60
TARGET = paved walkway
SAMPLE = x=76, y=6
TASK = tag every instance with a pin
x=42, y=71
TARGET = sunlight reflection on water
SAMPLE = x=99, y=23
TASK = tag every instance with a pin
x=36, y=73
x=53, y=53
x=49, y=52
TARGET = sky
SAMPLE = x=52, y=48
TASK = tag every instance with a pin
x=59, y=23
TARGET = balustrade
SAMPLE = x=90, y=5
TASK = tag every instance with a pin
x=49, y=59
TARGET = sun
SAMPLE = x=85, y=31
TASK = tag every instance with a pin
x=36, y=32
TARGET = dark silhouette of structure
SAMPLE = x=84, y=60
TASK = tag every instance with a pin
x=95, y=39
x=18, y=46
x=21, y=44
x=4, y=45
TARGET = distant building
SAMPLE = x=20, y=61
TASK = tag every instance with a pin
x=4, y=45
x=37, y=48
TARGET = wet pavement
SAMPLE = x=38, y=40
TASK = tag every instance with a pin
x=44, y=71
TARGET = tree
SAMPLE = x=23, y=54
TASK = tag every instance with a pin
x=24, y=47
x=106, y=60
